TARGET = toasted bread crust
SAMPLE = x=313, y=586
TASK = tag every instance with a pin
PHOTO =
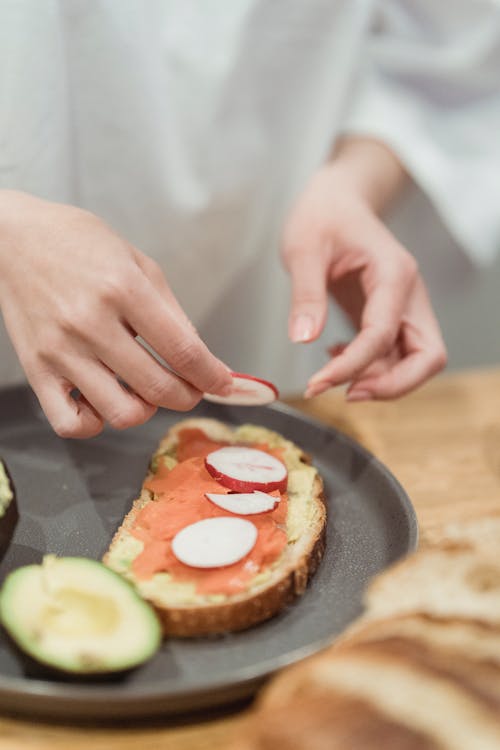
x=242, y=610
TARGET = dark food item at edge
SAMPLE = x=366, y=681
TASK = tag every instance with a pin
x=8, y=508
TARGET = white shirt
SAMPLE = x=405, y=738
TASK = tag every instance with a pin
x=190, y=126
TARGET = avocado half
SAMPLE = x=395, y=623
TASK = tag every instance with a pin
x=76, y=615
x=8, y=508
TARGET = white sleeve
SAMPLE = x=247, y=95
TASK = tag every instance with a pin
x=430, y=89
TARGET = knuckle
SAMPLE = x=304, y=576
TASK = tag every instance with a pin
x=171, y=392
x=156, y=392
x=67, y=427
x=66, y=322
x=152, y=268
x=50, y=345
x=127, y=416
x=82, y=322
x=174, y=394
x=114, y=287
x=188, y=400
x=409, y=266
x=440, y=359
x=130, y=413
x=384, y=338
x=76, y=317
x=186, y=356
x=307, y=298
x=110, y=290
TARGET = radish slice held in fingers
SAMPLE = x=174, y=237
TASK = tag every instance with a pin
x=214, y=542
x=247, y=391
x=245, y=469
x=245, y=503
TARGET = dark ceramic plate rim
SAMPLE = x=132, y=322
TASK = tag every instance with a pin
x=73, y=693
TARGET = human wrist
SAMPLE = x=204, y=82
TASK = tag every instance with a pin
x=370, y=169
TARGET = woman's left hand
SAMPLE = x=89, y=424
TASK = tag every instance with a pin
x=335, y=244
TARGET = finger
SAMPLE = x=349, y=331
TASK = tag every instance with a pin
x=368, y=346
x=151, y=316
x=336, y=349
x=69, y=417
x=404, y=376
x=422, y=354
x=115, y=404
x=308, y=273
x=332, y=351
x=375, y=368
x=144, y=374
x=379, y=328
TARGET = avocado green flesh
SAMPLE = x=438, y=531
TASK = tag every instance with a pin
x=76, y=615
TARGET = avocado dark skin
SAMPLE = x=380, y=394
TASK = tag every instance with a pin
x=35, y=670
x=8, y=520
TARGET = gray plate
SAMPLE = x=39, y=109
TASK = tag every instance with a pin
x=72, y=496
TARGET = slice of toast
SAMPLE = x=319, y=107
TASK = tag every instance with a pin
x=183, y=610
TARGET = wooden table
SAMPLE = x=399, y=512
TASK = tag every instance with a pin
x=442, y=443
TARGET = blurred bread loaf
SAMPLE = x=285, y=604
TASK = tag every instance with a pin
x=420, y=670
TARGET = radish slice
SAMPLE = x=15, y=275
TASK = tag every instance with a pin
x=247, y=391
x=245, y=469
x=246, y=503
x=214, y=542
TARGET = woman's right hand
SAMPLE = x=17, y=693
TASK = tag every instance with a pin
x=74, y=296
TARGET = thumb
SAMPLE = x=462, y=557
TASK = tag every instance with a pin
x=308, y=272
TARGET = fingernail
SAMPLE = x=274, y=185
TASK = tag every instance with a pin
x=302, y=328
x=358, y=396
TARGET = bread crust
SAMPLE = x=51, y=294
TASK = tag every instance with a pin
x=422, y=664
x=242, y=610
x=387, y=680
